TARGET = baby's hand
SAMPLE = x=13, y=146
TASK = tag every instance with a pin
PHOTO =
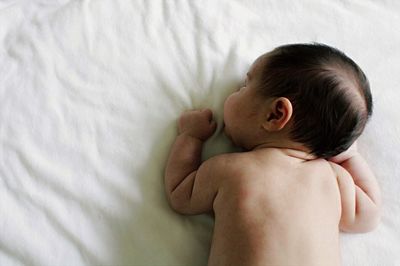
x=197, y=123
x=350, y=152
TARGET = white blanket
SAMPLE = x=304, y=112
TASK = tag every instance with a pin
x=89, y=96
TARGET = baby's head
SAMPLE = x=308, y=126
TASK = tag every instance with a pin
x=309, y=96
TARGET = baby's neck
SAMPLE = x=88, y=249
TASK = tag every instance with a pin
x=289, y=148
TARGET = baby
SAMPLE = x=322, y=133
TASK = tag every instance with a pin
x=301, y=178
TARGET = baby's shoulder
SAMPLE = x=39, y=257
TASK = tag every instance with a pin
x=229, y=162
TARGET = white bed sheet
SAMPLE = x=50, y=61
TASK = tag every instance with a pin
x=89, y=95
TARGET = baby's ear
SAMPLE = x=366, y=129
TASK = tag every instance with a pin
x=278, y=114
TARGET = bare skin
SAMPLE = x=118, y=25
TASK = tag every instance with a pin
x=275, y=204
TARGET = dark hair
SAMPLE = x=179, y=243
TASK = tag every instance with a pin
x=330, y=95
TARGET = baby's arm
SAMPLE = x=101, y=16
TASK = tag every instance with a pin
x=187, y=181
x=360, y=193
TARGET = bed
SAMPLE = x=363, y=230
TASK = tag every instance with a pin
x=90, y=92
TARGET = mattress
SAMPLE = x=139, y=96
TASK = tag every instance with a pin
x=90, y=92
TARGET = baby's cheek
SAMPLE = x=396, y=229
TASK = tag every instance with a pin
x=227, y=109
x=229, y=101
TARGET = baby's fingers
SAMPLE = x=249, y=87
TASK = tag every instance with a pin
x=213, y=125
x=208, y=114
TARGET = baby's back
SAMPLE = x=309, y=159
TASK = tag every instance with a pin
x=276, y=210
